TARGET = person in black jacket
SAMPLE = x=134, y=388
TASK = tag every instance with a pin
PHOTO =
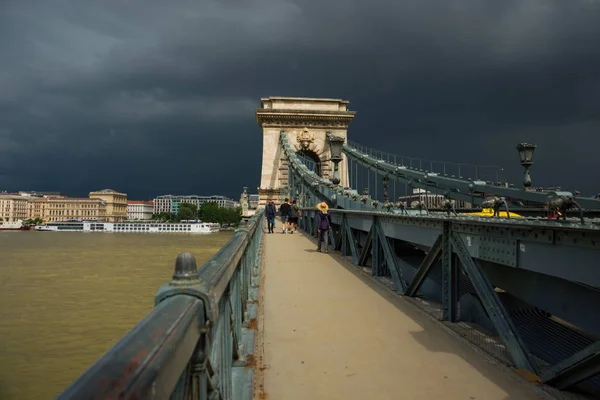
x=284, y=211
x=294, y=214
x=270, y=212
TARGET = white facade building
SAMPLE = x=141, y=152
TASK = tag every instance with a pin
x=139, y=209
x=253, y=201
x=13, y=208
x=431, y=200
x=170, y=203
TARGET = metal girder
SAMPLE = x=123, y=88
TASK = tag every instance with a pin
x=449, y=277
x=336, y=239
x=540, y=247
x=419, y=180
x=366, y=250
x=333, y=238
x=492, y=304
x=575, y=369
x=344, y=237
x=375, y=259
x=570, y=301
x=312, y=226
x=551, y=259
x=425, y=267
x=472, y=191
x=390, y=257
x=350, y=241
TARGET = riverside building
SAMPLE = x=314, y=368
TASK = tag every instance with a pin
x=57, y=209
x=116, y=204
x=170, y=203
x=137, y=209
x=13, y=207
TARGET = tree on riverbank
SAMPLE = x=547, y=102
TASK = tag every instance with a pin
x=187, y=211
x=211, y=212
x=164, y=217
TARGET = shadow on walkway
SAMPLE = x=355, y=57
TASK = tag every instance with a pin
x=329, y=334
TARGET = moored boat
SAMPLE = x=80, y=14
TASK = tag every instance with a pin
x=129, y=227
x=17, y=225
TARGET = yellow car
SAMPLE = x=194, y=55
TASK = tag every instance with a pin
x=489, y=212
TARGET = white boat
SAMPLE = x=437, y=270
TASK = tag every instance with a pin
x=13, y=226
x=129, y=227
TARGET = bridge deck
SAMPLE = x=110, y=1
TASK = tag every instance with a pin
x=330, y=333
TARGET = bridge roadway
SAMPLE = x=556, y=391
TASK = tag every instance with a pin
x=332, y=333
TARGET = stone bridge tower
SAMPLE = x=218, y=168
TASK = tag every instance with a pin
x=306, y=122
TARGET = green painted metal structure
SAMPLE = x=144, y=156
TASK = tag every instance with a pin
x=198, y=340
x=526, y=291
x=517, y=279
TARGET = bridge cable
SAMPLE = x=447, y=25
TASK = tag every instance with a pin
x=395, y=180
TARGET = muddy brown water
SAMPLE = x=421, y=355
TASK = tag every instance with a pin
x=68, y=297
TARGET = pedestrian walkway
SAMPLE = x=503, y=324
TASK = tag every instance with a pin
x=330, y=333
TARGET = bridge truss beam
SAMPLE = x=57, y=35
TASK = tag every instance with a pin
x=460, y=264
x=472, y=191
x=508, y=276
x=465, y=266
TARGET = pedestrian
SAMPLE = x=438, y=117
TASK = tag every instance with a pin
x=294, y=214
x=270, y=212
x=323, y=225
x=284, y=211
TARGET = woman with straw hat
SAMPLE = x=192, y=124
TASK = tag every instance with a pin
x=323, y=224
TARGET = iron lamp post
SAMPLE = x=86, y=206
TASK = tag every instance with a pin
x=386, y=182
x=386, y=203
x=526, y=155
x=335, y=147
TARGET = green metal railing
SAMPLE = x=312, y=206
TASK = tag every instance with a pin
x=198, y=340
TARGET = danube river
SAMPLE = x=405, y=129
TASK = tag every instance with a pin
x=67, y=297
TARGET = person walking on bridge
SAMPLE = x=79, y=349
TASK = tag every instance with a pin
x=323, y=225
x=294, y=214
x=284, y=211
x=270, y=212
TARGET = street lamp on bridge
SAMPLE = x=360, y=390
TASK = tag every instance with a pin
x=335, y=147
x=526, y=155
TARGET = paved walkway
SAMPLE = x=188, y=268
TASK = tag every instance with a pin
x=329, y=334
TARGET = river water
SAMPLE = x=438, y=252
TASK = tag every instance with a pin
x=67, y=297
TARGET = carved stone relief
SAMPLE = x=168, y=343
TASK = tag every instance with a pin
x=305, y=138
x=311, y=122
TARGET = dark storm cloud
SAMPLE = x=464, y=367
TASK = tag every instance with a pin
x=154, y=97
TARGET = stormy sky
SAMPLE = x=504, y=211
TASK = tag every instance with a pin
x=154, y=97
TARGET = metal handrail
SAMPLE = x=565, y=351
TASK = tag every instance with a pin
x=173, y=350
x=422, y=164
x=148, y=361
x=531, y=223
x=473, y=191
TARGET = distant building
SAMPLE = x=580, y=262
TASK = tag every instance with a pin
x=431, y=200
x=137, y=209
x=253, y=201
x=116, y=204
x=50, y=209
x=170, y=203
x=73, y=208
x=13, y=207
x=38, y=207
x=56, y=209
x=35, y=193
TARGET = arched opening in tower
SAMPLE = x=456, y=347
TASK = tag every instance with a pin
x=311, y=160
